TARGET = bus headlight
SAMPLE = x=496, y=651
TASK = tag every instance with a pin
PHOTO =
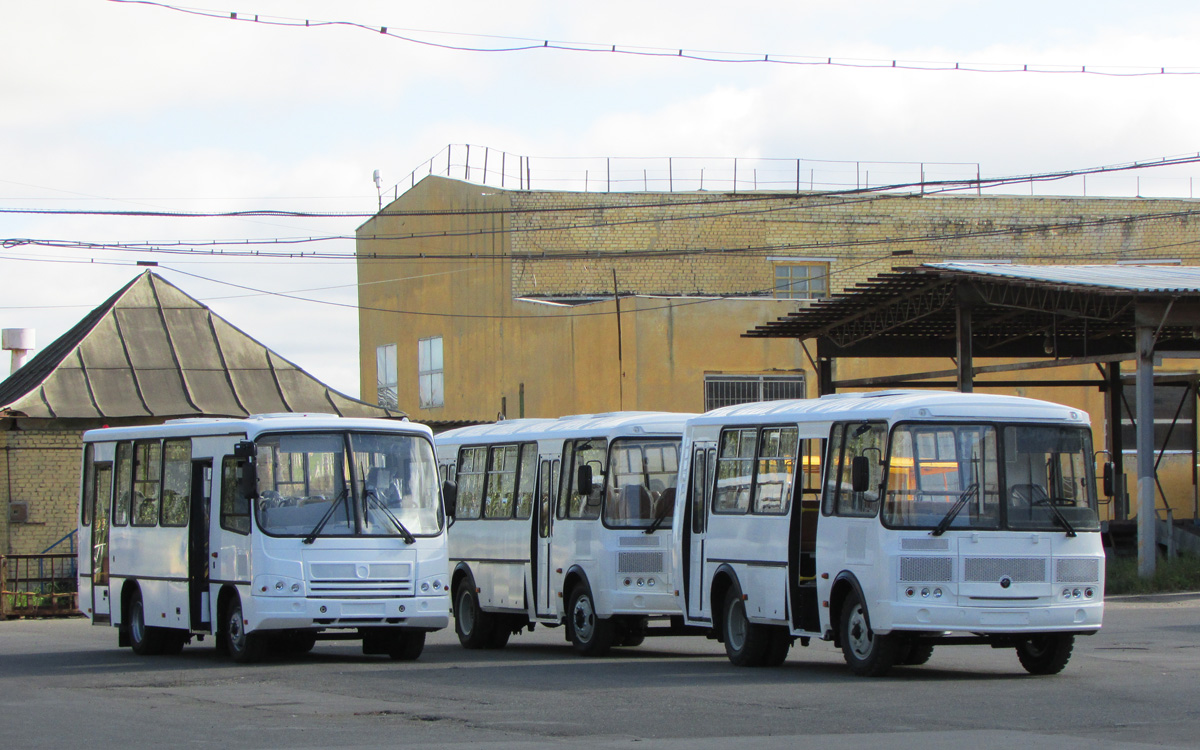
x=433, y=586
x=277, y=586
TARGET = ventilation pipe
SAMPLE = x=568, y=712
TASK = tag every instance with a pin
x=20, y=342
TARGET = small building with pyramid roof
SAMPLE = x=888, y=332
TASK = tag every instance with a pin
x=149, y=353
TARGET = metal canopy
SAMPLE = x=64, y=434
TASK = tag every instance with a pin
x=1072, y=314
x=1014, y=311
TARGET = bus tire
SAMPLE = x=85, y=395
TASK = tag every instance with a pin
x=631, y=632
x=868, y=653
x=242, y=647
x=501, y=631
x=474, y=627
x=143, y=639
x=1045, y=654
x=174, y=641
x=746, y=643
x=590, y=635
x=406, y=645
x=916, y=653
x=294, y=643
x=778, y=647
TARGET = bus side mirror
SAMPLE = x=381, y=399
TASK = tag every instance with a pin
x=860, y=473
x=583, y=481
x=450, y=497
x=1109, y=479
x=247, y=476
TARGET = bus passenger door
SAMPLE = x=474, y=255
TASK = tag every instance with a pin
x=198, y=531
x=101, y=508
x=699, y=492
x=543, y=528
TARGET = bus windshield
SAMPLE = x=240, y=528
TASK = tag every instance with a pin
x=641, y=483
x=316, y=485
x=962, y=476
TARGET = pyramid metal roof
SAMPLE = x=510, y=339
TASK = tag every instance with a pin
x=151, y=351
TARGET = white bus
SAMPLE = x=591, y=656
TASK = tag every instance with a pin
x=891, y=523
x=274, y=530
x=563, y=521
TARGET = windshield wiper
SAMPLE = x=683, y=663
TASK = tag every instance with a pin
x=658, y=521
x=405, y=533
x=312, y=535
x=958, y=505
x=1058, y=514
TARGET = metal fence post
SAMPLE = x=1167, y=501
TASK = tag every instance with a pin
x=3, y=587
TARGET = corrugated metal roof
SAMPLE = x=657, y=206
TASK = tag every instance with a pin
x=1150, y=279
x=151, y=351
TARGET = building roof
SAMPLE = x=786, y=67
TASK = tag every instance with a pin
x=151, y=351
x=1017, y=311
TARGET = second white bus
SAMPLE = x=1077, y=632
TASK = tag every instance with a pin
x=891, y=523
x=563, y=521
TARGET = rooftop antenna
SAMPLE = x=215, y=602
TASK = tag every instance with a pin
x=378, y=188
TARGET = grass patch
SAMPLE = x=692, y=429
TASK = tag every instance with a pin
x=1179, y=574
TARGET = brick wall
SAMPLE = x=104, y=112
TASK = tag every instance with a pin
x=704, y=243
x=40, y=468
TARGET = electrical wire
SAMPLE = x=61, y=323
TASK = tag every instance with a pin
x=524, y=44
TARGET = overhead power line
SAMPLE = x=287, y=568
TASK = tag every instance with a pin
x=510, y=44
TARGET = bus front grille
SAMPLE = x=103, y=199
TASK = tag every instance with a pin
x=1077, y=570
x=640, y=562
x=375, y=580
x=1018, y=569
x=926, y=569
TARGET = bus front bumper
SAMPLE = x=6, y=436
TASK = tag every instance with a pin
x=1041, y=618
x=283, y=613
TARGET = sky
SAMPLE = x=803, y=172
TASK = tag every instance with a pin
x=143, y=107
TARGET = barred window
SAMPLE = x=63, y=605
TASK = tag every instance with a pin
x=727, y=390
x=386, y=381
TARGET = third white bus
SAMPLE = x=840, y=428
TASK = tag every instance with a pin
x=891, y=523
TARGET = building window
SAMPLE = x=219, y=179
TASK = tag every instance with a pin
x=1174, y=416
x=801, y=280
x=385, y=377
x=429, y=372
x=727, y=390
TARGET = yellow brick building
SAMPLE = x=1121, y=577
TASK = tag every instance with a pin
x=478, y=302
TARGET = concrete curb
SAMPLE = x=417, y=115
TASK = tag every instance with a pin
x=1171, y=596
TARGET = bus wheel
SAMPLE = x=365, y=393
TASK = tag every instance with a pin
x=474, y=626
x=777, y=649
x=174, y=641
x=631, y=632
x=502, y=630
x=868, y=653
x=1045, y=654
x=145, y=640
x=591, y=635
x=915, y=653
x=406, y=645
x=241, y=646
x=746, y=643
x=294, y=643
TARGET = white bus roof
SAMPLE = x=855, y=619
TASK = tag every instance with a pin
x=894, y=406
x=252, y=426
x=612, y=424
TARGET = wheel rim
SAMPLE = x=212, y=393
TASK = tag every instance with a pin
x=465, y=613
x=237, y=633
x=137, y=622
x=736, y=625
x=858, y=633
x=584, y=619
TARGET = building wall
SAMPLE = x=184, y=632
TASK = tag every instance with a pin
x=40, y=468
x=455, y=258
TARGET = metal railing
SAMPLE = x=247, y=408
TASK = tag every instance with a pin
x=495, y=168
x=38, y=585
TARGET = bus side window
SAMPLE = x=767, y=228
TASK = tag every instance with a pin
x=471, y=476
x=235, y=508
x=120, y=511
x=698, y=489
x=526, y=480
x=865, y=440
